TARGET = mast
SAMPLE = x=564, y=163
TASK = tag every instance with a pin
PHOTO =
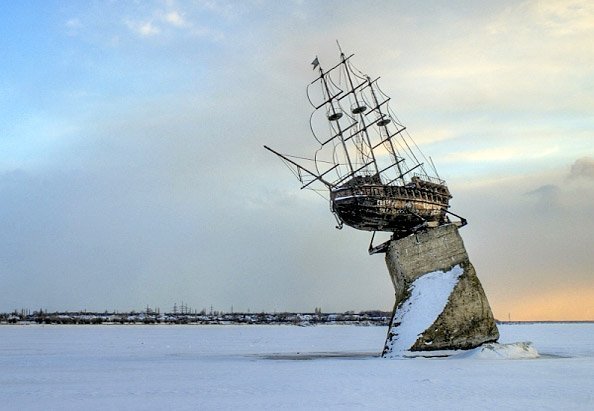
x=384, y=123
x=359, y=110
x=334, y=117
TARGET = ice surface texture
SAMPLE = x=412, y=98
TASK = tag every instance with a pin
x=187, y=367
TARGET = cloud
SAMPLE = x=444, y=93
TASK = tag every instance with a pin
x=567, y=199
x=565, y=17
x=143, y=28
x=547, y=197
x=583, y=168
x=73, y=26
x=500, y=60
x=171, y=22
x=222, y=8
x=492, y=154
x=175, y=18
x=546, y=191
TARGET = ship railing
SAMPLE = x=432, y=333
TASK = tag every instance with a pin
x=429, y=179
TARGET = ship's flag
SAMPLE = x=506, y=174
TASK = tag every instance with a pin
x=315, y=63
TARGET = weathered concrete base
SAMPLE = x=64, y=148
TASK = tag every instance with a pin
x=437, y=290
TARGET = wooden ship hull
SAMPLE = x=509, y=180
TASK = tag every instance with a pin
x=397, y=209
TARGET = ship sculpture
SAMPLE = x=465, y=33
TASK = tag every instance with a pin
x=375, y=175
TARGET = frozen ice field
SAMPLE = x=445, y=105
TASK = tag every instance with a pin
x=281, y=367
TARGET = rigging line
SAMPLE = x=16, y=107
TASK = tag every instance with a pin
x=358, y=142
x=423, y=154
x=413, y=154
x=337, y=86
x=409, y=170
x=408, y=156
x=410, y=150
x=401, y=150
x=341, y=134
x=358, y=146
x=309, y=159
x=434, y=168
x=353, y=119
x=397, y=121
x=316, y=161
x=337, y=101
x=415, y=145
x=390, y=149
x=395, y=118
x=334, y=157
x=316, y=191
x=367, y=101
x=380, y=90
x=352, y=92
x=336, y=149
x=353, y=85
x=292, y=171
x=316, y=178
x=404, y=151
x=334, y=144
x=353, y=69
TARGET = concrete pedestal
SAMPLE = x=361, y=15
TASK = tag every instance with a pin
x=440, y=303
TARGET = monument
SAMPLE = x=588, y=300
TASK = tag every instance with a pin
x=377, y=179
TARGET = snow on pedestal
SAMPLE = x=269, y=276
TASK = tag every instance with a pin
x=440, y=303
x=428, y=297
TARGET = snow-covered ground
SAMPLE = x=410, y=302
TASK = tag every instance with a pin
x=281, y=367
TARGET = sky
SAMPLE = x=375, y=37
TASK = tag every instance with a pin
x=132, y=171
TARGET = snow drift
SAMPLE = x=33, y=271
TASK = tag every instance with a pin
x=495, y=351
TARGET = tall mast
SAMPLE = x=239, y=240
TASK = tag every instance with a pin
x=357, y=110
x=334, y=117
x=384, y=124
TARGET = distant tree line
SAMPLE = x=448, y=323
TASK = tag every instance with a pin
x=188, y=316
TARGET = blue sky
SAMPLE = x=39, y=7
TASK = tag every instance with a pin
x=132, y=170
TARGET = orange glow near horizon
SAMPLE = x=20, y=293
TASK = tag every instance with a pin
x=575, y=304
